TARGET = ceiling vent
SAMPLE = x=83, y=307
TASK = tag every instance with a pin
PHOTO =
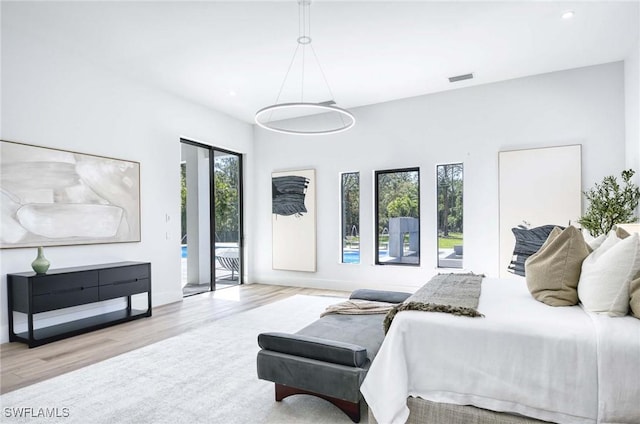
x=460, y=77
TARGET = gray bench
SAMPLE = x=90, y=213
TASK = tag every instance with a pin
x=329, y=358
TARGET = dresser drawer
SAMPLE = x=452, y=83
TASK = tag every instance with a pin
x=64, y=299
x=124, y=274
x=62, y=282
x=125, y=288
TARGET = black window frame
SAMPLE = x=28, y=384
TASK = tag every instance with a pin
x=342, y=216
x=377, y=173
x=438, y=265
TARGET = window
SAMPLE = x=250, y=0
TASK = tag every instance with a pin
x=450, y=229
x=397, y=200
x=350, y=205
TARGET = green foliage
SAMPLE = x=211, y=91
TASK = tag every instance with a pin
x=403, y=206
x=226, y=195
x=183, y=200
x=450, y=206
x=351, y=205
x=397, y=196
x=610, y=204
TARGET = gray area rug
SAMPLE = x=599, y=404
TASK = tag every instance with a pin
x=207, y=375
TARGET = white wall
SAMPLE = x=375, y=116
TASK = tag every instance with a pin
x=582, y=106
x=632, y=110
x=55, y=99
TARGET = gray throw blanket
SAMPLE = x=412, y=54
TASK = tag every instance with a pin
x=456, y=294
x=359, y=307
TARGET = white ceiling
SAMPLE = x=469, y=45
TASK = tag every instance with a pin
x=233, y=56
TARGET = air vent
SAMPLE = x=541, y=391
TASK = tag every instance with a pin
x=460, y=78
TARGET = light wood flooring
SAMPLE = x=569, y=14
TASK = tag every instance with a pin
x=21, y=366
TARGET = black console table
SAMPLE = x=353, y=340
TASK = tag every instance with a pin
x=32, y=293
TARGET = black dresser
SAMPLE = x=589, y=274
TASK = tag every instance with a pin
x=32, y=293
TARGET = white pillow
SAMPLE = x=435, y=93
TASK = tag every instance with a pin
x=606, y=274
x=597, y=242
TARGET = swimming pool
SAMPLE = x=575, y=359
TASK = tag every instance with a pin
x=353, y=256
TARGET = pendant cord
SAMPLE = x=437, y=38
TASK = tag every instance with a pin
x=286, y=76
x=324, y=77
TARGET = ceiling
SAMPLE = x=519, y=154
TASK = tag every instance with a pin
x=233, y=56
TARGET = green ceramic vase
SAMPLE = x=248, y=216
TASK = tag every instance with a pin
x=40, y=265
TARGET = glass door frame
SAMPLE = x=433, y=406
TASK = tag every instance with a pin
x=239, y=156
x=212, y=202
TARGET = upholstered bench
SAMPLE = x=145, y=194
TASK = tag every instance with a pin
x=329, y=358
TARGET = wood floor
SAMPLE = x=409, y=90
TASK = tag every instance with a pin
x=21, y=366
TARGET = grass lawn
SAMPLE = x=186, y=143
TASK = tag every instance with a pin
x=448, y=242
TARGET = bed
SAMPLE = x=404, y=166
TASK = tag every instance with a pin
x=524, y=358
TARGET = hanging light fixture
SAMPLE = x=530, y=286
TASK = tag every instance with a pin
x=275, y=117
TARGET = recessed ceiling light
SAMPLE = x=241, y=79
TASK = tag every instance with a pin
x=232, y=93
x=568, y=14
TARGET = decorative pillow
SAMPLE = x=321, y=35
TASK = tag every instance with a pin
x=528, y=242
x=607, y=274
x=597, y=242
x=552, y=273
x=621, y=232
x=634, y=297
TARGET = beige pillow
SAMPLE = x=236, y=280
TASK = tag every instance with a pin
x=621, y=232
x=607, y=274
x=634, y=297
x=552, y=273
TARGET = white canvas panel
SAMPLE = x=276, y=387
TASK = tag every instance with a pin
x=294, y=220
x=537, y=187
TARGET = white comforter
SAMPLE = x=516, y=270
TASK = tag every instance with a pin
x=556, y=364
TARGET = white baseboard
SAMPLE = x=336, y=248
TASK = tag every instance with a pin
x=348, y=286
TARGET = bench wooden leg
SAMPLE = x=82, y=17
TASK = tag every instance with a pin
x=350, y=408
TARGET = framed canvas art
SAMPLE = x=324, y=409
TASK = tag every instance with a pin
x=294, y=220
x=53, y=197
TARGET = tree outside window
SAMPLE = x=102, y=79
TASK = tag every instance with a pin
x=397, y=200
x=450, y=207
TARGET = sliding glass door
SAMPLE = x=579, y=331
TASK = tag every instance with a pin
x=227, y=179
x=211, y=202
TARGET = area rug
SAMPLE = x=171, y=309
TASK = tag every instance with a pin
x=207, y=375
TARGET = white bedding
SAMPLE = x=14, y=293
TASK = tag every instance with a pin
x=523, y=357
x=618, y=368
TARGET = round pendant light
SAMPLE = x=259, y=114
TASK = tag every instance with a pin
x=340, y=119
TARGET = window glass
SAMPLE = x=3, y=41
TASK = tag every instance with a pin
x=450, y=228
x=350, y=205
x=397, y=200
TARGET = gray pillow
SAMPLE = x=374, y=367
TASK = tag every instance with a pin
x=528, y=242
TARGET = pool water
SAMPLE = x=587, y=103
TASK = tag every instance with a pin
x=348, y=256
x=353, y=256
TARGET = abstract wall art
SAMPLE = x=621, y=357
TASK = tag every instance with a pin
x=53, y=197
x=294, y=220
